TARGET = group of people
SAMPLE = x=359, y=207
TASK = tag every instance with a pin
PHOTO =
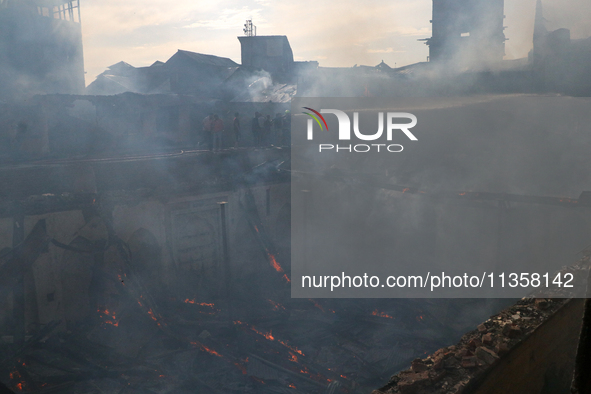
x=213, y=128
x=266, y=131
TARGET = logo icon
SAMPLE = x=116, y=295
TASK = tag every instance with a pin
x=315, y=117
x=388, y=124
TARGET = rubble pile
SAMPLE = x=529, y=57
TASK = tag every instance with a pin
x=452, y=369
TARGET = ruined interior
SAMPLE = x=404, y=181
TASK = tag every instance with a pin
x=135, y=259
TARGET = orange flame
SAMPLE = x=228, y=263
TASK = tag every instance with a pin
x=381, y=314
x=110, y=317
x=151, y=313
x=317, y=305
x=188, y=301
x=210, y=351
x=276, y=306
x=269, y=336
x=274, y=263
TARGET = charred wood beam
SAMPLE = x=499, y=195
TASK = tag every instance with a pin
x=265, y=242
x=287, y=371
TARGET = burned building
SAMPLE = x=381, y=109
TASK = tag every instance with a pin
x=133, y=260
x=559, y=63
x=185, y=72
x=40, y=48
x=270, y=53
x=467, y=31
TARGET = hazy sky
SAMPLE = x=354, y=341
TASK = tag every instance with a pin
x=335, y=33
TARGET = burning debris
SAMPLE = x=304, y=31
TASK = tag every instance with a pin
x=182, y=344
x=475, y=360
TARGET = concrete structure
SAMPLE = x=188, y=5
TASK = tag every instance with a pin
x=270, y=53
x=560, y=64
x=40, y=48
x=468, y=31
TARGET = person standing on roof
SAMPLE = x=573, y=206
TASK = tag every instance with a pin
x=237, y=130
x=277, y=127
x=208, y=130
x=267, y=130
x=256, y=130
x=218, y=130
x=286, y=129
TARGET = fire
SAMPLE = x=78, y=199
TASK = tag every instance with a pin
x=293, y=358
x=206, y=349
x=291, y=385
x=269, y=336
x=241, y=367
x=406, y=189
x=419, y=318
x=277, y=266
x=151, y=313
x=111, y=318
x=188, y=301
x=462, y=194
x=205, y=304
x=274, y=263
x=15, y=375
x=343, y=376
x=210, y=351
x=381, y=314
x=317, y=305
x=565, y=199
x=276, y=306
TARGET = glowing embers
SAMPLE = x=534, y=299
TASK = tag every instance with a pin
x=269, y=336
x=276, y=306
x=205, y=307
x=381, y=314
x=276, y=266
x=108, y=317
x=17, y=381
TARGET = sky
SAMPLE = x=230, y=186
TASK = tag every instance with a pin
x=334, y=33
